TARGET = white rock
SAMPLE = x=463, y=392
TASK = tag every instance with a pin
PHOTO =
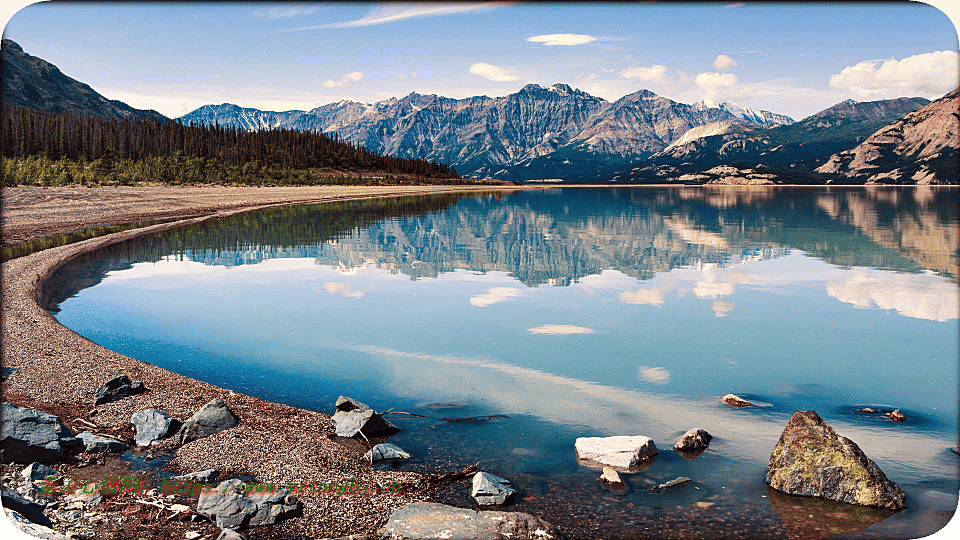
x=611, y=476
x=621, y=451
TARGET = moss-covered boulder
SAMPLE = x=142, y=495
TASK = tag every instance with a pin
x=812, y=460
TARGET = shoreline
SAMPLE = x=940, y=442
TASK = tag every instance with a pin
x=58, y=371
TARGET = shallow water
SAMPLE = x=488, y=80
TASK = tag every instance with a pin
x=578, y=312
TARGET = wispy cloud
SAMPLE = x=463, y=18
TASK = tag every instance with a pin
x=651, y=297
x=493, y=73
x=336, y=287
x=285, y=12
x=494, y=295
x=562, y=40
x=655, y=375
x=560, y=329
x=344, y=80
x=399, y=12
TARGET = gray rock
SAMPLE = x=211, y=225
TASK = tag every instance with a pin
x=384, y=452
x=352, y=417
x=489, y=489
x=621, y=451
x=421, y=520
x=37, y=471
x=117, y=388
x=153, y=425
x=213, y=417
x=694, y=440
x=204, y=477
x=31, y=510
x=610, y=476
x=230, y=534
x=32, y=529
x=30, y=435
x=736, y=401
x=810, y=459
x=5, y=372
x=230, y=509
x=96, y=444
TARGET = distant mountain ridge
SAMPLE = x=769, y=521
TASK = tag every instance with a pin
x=505, y=137
x=34, y=83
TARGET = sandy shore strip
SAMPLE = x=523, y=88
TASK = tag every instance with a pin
x=58, y=371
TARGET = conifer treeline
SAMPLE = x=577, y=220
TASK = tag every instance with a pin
x=223, y=152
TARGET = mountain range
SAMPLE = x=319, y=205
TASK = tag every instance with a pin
x=559, y=133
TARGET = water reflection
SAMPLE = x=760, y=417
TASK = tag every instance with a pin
x=809, y=518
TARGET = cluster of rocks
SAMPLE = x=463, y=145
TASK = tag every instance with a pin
x=893, y=414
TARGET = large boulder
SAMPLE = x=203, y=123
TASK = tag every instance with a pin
x=490, y=490
x=35, y=472
x=213, y=417
x=153, y=425
x=693, y=441
x=421, y=520
x=94, y=444
x=810, y=459
x=231, y=509
x=117, y=388
x=353, y=417
x=30, y=435
x=31, y=510
x=621, y=451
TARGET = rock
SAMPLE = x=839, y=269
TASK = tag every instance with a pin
x=30, y=435
x=153, y=425
x=88, y=494
x=230, y=509
x=421, y=520
x=117, y=388
x=213, y=417
x=810, y=518
x=490, y=490
x=5, y=372
x=203, y=477
x=31, y=510
x=895, y=415
x=693, y=440
x=956, y=450
x=385, y=451
x=670, y=484
x=611, y=477
x=32, y=529
x=735, y=401
x=810, y=459
x=37, y=471
x=95, y=443
x=868, y=410
x=352, y=417
x=230, y=534
x=620, y=451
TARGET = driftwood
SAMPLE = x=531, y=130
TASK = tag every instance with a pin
x=445, y=479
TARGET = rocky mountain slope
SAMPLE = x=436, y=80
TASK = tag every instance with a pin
x=920, y=148
x=508, y=137
x=34, y=83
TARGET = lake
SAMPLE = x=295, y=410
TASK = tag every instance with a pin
x=572, y=312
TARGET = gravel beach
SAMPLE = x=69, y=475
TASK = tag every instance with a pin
x=58, y=371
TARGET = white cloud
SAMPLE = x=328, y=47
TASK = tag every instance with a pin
x=654, y=73
x=929, y=74
x=920, y=296
x=491, y=72
x=562, y=40
x=651, y=297
x=399, y=12
x=335, y=287
x=494, y=295
x=724, y=62
x=560, y=329
x=721, y=307
x=344, y=80
x=655, y=375
x=716, y=85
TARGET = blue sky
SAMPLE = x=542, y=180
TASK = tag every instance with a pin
x=789, y=58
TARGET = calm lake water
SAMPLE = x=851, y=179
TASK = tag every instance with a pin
x=579, y=312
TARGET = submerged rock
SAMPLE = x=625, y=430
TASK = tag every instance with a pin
x=153, y=425
x=421, y=520
x=213, y=417
x=811, y=518
x=670, y=484
x=693, y=440
x=621, y=451
x=95, y=443
x=353, y=417
x=734, y=400
x=810, y=459
x=116, y=389
x=29, y=435
x=489, y=489
x=610, y=477
x=230, y=509
x=384, y=452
